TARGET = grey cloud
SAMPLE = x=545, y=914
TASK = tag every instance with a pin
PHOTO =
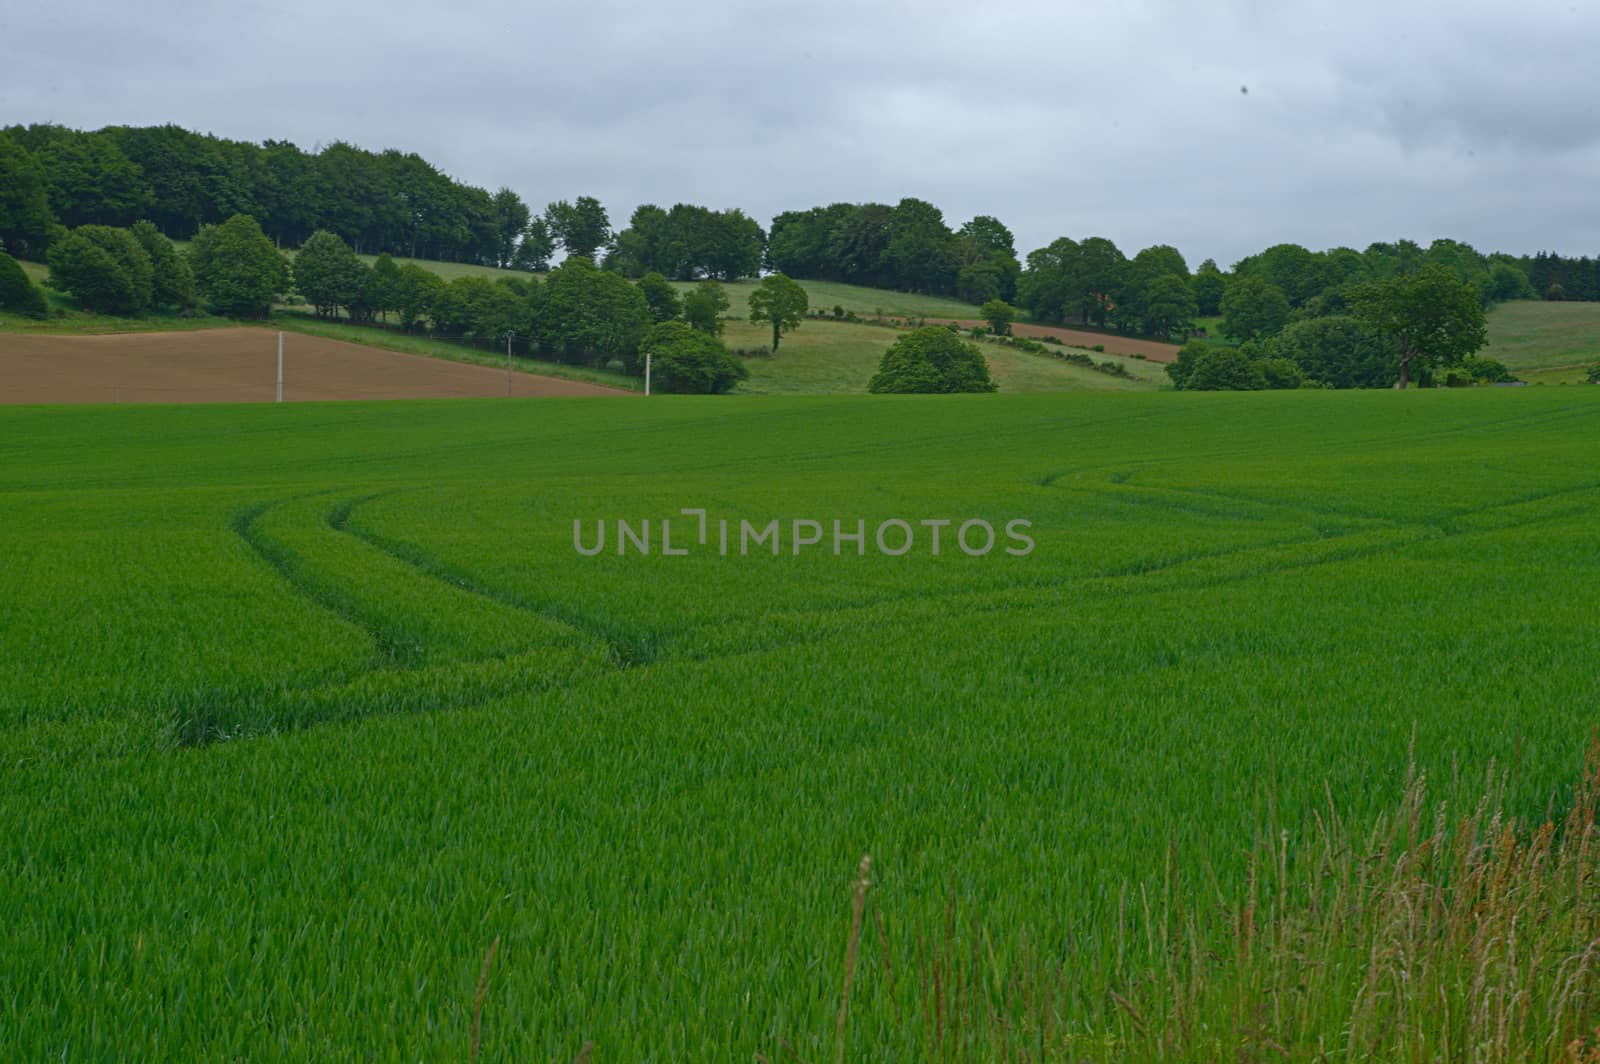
x=1364, y=120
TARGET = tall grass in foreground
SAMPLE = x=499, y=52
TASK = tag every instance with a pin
x=1432, y=935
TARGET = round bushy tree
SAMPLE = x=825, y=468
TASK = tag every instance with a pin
x=704, y=307
x=659, y=293
x=172, y=282
x=328, y=275
x=685, y=359
x=1225, y=369
x=17, y=293
x=237, y=269
x=932, y=360
x=1253, y=308
x=104, y=268
x=999, y=314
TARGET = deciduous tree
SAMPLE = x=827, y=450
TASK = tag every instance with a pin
x=931, y=360
x=780, y=301
x=1433, y=317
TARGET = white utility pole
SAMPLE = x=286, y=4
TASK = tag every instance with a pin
x=280, y=367
x=509, y=335
x=647, y=373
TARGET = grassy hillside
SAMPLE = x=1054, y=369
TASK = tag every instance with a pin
x=825, y=295
x=839, y=358
x=1543, y=341
x=330, y=743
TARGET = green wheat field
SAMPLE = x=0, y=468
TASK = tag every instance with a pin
x=320, y=741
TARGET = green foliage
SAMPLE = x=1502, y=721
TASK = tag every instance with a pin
x=535, y=248
x=704, y=307
x=479, y=309
x=1339, y=351
x=105, y=269
x=780, y=301
x=1593, y=376
x=931, y=360
x=1280, y=373
x=581, y=227
x=922, y=254
x=1165, y=305
x=25, y=216
x=172, y=282
x=236, y=269
x=1224, y=369
x=999, y=314
x=663, y=298
x=382, y=292
x=414, y=293
x=511, y=221
x=1483, y=370
x=591, y=315
x=1434, y=318
x=688, y=242
x=687, y=360
x=1180, y=369
x=18, y=294
x=1253, y=308
x=1208, y=285
x=328, y=275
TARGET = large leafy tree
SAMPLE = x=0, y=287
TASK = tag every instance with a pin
x=25, y=216
x=932, y=360
x=236, y=268
x=1166, y=305
x=105, y=269
x=1253, y=307
x=780, y=301
x=581, y=226
x=415, y=290
x=684, y=359
x=704, y=307
x=511, y=218
x=922, y=254
x=535, y=247
x=1208, y=284
x=328, y=275
x=1338, y=351
x=662, y=297
x=1047, y=287
x=591, y=314
x=1432, y=317
x=1224, y=369
x=172, y=282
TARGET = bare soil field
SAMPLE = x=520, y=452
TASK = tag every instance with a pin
x=1152, y=350
x=239, y=365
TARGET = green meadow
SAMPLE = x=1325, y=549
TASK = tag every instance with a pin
x=321, y=741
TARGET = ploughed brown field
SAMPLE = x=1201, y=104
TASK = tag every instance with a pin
x=1152, y=350
x=240, y=366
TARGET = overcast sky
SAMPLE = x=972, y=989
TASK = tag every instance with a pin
x=1220, y=127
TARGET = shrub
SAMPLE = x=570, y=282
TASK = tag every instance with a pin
x=931, y=360
x=1488, y=370
x=1098, y=347
x=1225, y=369
x=17, y=292
x=688, y=360
x=1594, y=374
x=105, y=269
x=172, y=282
x=236, y=268
x=999, y=314
x=1280, y=373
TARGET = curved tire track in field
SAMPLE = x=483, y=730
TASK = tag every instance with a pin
x=399, y=681
x=626, y=652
